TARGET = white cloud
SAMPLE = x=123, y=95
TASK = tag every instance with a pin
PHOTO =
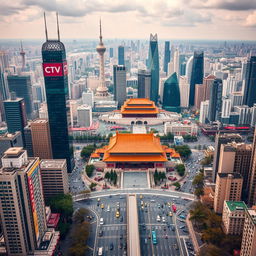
x=251, y=20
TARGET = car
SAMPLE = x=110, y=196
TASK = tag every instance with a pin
x=182, y=217
x=111, y=246
x=98, y=199
x=158, y=218
x=101, y=221
x=170, y=214
x=121, y=236
x=102, y=206
x=159, y=206
x=100, y=251
x=181, y=227
x=152, y=200
x=108, y=209
x=141, y=203
x=163, y=219
x=141, y=196
x=117, y=214
x=173, y=228
x=146, y=240
x=101, y=233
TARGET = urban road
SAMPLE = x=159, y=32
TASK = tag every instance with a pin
x=172, y=234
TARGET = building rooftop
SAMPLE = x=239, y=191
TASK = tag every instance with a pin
x=52, y=163
x=8, y=136
x=40, y=121
x=236, y=205
x=234, y=174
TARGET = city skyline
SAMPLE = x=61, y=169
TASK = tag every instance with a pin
x=194, y=19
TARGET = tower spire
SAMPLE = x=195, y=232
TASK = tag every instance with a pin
x=21, y=46
x=100, y=32
x=45, y=27
x=58, y=28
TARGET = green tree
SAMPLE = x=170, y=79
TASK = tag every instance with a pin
x=87, y=151
x=107, y=175
x=207, y=160
x=92, y=185
x=183, y=150
x=89, y=169
x=177, y=184
x=180, y=169
x=79, y=215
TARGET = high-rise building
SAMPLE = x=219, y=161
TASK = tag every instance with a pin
x=248, y=246
x=184, y=91
x=121, y=55
x=102, y=90
x=88, y=98
x=253, y=116
x=233, y=217
x=167, y=56
x=55, y=71
x=226, y=110
x=153, y=66
x=22, y=207
x=236, y=157
x=21, y=85
x=54, y=177
x=204, y=109
x=111, y=52
x=182, y=64
x=228, y=188
x=41, y=139
x=197, y=74
x=236, y=98
x=144, y=84
x=171, y=96
x=9, y=140
x=208, y=81
x=15, y=113
x=199, y=95
x=244, y=114
x=222, y=138
x=215, y=102
x=119, y=80
x=28, y=140
x=189, y=68
x=250, y=82
x=84, y=116
x=22, y=54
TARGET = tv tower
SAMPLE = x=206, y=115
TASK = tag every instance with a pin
x=102, y=90
x=22, y=54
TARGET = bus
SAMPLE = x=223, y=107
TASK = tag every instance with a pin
x=154, y=237
x=174, y=208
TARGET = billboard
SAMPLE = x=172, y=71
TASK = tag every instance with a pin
x=55, y=69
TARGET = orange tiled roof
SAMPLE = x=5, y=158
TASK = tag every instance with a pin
x=95, y=155
x=135, y=158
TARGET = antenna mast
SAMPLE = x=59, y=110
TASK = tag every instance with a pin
x=58, y=29
x=45, y=26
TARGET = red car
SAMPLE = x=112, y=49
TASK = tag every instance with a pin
x=165, y=187
x=172, y=178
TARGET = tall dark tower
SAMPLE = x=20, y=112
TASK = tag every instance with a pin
x=167, y=55
x=22, y=54
x=55, y=71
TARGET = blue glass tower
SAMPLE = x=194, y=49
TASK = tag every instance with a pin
x=197, y=75
x=171, y=96
x=55, y=71
x=167, y=55
x=121, y=55
x=153, y=66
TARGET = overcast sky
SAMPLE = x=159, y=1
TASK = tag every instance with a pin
x=171, y=19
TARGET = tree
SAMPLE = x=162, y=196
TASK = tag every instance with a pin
x=79, y=216
x=107, y=175
x=180, y=169
x=177, y=184
x=213, y=235
x=89, y=169
x=198, y=181
x=92, y=185
x=207, y=160
x=183, y=150
x=87, y=151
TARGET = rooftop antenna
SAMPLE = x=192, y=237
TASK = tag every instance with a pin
x=100, y=32
x=58, y=29
x=45, y=26
x=21, y=46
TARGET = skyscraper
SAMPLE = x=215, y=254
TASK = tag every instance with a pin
x=144, y=84
x=215, y=102
x=121, y=55
x=119, y=79
x=153, y=66
x=55, y=71
x=22, y=54
x=184, y=91
x=102, y=90
x=15, y=113
x=111, y=52
x=196, y=74
x=250, y=82
x=21, y=85
x=167, y=55
x=171, y=96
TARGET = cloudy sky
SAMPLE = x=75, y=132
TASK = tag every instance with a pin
x=171, y=19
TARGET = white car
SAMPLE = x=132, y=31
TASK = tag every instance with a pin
x=108, y=209
x=158, y=218
x=163, y=219
x=101, y=221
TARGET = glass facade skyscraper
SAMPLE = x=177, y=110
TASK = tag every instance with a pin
x=250, y=82
x=55, y=71
x=153, y=66
x=167, y=55
x=197, y=74
x=121, y=55
x=171, y=96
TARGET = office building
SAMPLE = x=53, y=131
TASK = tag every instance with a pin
x=248, y=246
x=226, y=110
x=119, y=80
x=84, y=116
x=197, y=74
x=215, y=102
x=41, y=138
x=15, y=113
x=171, y=96
x=182, y=64
x=233, y=217
x=55, y=72
x=153, y=67
x=88, y=98
x=9, y=140
x=228, y=188
x=199, y=95
x=236, y=98
x=189, y=69
x=21, y=85
x=167, y=56
x=28, y=140
x=250, y=81
x=204, y=109
x=179, y=128
x=121, y=55
x=54, y=177
x=208, y=81
x=244, y=114
x=22, y=206
x=111, y=52
x=222, y=138
x=253, y=116
x=144, y=84
x=184, y=91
